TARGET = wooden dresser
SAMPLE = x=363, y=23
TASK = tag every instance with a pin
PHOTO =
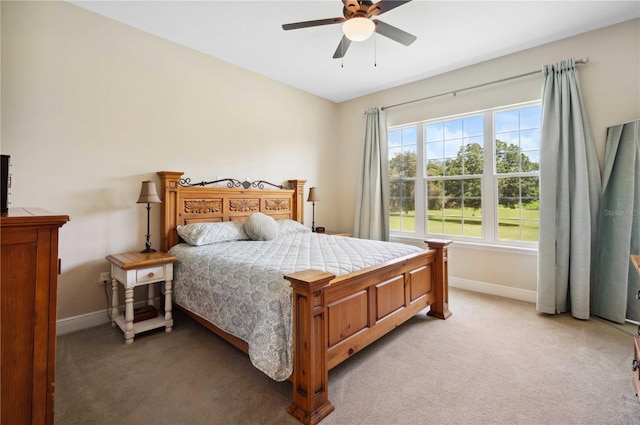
x=635, y=260
x=28, y=293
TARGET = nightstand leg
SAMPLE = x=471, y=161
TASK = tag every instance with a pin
x=114, y=302
x=168, y=317
x=128, y=317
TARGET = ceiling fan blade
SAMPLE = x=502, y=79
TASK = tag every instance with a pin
x=384, y=6
x=342, y=47
x=394, y=33
x=316, y=23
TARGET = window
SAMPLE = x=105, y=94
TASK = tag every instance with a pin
x=402, y=178
x=517, y=159
x=477, y=177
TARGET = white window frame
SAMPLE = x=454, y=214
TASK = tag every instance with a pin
x=489, y=182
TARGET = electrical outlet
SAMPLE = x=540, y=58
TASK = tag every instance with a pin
x=104, y=278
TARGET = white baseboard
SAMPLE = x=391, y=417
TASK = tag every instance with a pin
x=97, y=318
x=492, y=289
x=89, y=320
x=83, y=321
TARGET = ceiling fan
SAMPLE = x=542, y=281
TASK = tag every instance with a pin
x=358, y=25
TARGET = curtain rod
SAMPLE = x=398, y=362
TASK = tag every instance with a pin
x=454, y=92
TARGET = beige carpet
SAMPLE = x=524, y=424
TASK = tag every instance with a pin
x=495, y=361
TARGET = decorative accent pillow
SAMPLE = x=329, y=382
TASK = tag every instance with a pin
x=261, y=227
x=291, y=226
x=197, y=234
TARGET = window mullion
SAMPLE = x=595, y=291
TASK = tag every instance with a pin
x=489, y=181
x=420, y=188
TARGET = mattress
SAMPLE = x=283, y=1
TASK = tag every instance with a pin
x=239, y=286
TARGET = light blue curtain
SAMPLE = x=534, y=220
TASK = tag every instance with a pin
x=617, y=281
x=569, y=196
x=372, y=208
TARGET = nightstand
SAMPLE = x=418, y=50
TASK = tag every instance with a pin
x=347, y=234
x=133, y=269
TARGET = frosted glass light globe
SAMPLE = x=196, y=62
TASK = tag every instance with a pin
x=358, y=29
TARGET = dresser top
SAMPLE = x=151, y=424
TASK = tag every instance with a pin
x=31, y=216
x=635, y=259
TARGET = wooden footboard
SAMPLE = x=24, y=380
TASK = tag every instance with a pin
x=335, y=318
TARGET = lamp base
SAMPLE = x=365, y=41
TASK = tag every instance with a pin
x=147, y=246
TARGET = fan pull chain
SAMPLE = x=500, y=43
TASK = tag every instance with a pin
x=375, y=49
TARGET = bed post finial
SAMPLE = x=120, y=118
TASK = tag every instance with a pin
x=298, y=208
x=440, y=308
x=169, y=182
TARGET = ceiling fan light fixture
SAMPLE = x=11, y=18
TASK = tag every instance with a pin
x=358, y=29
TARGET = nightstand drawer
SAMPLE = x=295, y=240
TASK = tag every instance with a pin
x=150, y=274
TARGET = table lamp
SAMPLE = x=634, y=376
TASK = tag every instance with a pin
x=313, y=197
x=148, y=195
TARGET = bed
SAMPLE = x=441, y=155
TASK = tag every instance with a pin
x=334, y=311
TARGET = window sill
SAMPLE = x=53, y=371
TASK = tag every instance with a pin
x=419, y=241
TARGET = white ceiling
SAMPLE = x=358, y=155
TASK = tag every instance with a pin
x=451, y=35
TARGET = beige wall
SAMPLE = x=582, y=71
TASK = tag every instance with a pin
x=91, y=108
x=611, y=88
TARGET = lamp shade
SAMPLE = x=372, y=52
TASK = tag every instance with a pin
x=358, y=29
x=148, y=193
x=313, y=195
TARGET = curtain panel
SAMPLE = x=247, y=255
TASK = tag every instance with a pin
x=372, y=207
x=569, y=196
x=617, y=282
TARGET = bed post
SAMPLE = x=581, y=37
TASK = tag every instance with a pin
x=310, y=329
x=170, y=181
x=298, y=207
x=440, y=308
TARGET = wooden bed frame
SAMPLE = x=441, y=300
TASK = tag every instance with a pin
x=333, y=317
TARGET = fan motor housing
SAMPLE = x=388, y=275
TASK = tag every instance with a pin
x=353, y=9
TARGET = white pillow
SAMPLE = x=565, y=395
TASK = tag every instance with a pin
x=207, y=233
x=261, y=227
x=291, y=226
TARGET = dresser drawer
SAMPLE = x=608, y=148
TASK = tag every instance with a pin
x=150, y=274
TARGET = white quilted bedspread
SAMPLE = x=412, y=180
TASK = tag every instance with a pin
x=240, y=287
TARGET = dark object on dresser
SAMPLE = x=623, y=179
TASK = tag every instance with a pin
x=5, y=182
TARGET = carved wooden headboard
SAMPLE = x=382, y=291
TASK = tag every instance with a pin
x=184, y=204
